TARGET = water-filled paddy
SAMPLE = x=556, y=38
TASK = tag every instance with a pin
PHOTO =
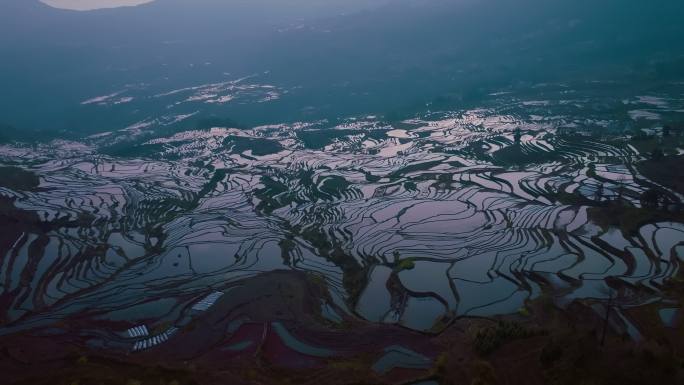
x=448, y=217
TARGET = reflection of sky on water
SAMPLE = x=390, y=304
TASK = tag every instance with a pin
x=86, y=5
x=483, y=237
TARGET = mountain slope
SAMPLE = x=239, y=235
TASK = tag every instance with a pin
x=387, y=58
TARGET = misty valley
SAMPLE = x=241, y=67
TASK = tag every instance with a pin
x=260, y=227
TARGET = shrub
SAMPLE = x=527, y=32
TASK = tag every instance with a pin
x=491, y=338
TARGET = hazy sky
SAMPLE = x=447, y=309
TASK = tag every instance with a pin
x=84, y=5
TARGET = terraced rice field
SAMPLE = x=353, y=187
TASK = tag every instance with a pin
x=415, y=223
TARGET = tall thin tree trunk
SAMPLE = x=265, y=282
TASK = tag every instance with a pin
x=605, y=321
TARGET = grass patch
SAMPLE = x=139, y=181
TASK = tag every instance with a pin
x=259, y=146
x=405, y=264
x=647, y=144
x=630, y=219
x=668, y=171
x=514, y=155
x=488, y=339
x=16, y=178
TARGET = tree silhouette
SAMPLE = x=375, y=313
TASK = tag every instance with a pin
x=599, y=193
x=609, y=306
x=650, y=198
x=517, y=136
x=621, y=189
x=657, y=154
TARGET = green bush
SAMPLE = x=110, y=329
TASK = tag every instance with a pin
x=405, y=264
x=491, y=338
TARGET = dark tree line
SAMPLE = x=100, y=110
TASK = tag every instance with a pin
x=654, y=198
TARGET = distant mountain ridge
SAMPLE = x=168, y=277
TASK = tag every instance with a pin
x=404, y=53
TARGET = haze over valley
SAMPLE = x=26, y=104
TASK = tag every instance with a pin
x=368, y=191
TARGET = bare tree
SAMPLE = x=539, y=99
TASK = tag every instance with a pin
x=609, y=306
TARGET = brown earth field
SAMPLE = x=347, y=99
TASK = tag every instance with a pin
x=269, y=329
